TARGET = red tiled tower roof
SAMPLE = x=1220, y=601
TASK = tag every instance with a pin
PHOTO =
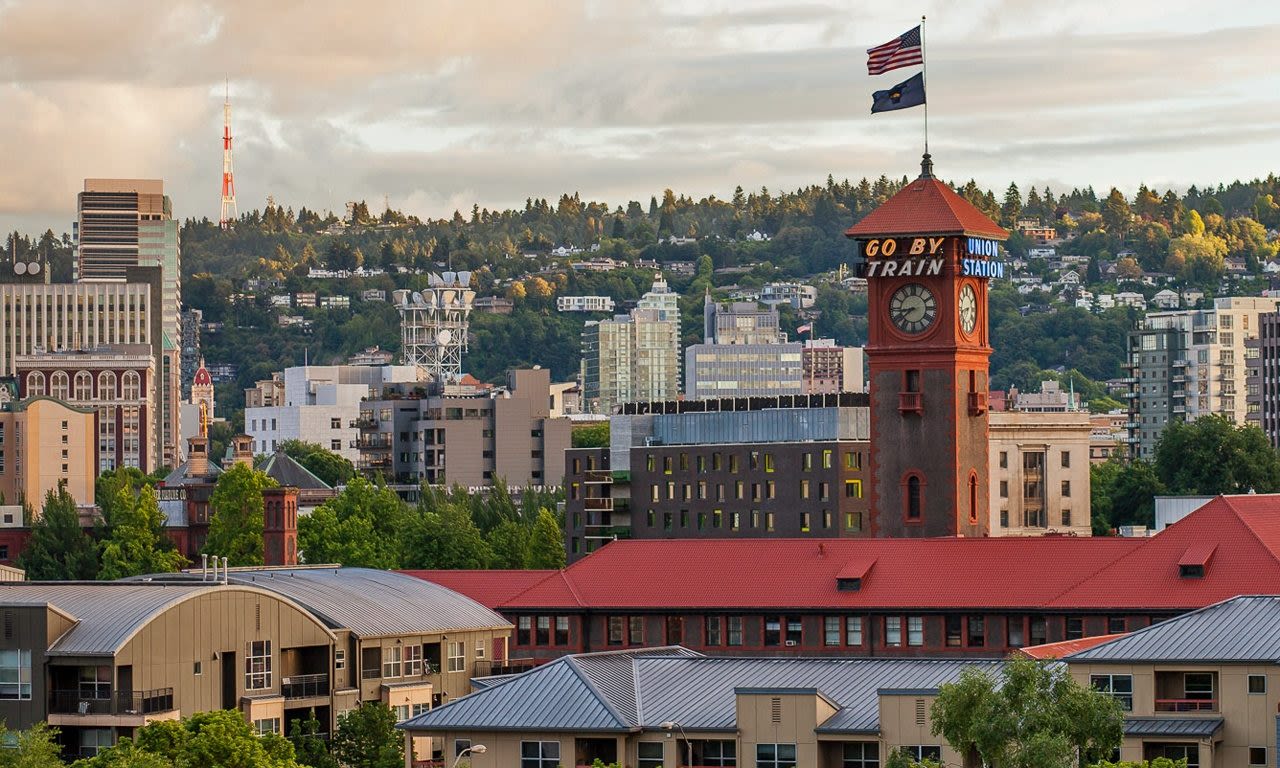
x=926, y=206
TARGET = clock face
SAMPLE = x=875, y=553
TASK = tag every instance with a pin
x=913, y=308
x=968, y=309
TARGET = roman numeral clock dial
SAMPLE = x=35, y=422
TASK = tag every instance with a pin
x=913, y=308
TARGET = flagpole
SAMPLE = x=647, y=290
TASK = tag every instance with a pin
x=924, y=78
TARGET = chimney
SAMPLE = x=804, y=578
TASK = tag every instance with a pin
x=242, y=450
x=280, y=526
x=197, y=457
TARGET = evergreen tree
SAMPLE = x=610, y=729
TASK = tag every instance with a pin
x=509, y=542
x=136, y=544
x=445, y=537
x=235, y=529
x=310, y=749
x=546, y=550
x=59, y=549
x=1012, y=207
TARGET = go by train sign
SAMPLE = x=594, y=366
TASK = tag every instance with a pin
x=912, y=256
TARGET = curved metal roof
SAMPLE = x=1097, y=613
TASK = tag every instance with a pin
x=373, y=603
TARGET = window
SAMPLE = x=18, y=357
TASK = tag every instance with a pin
x=806, y=462
x=92, y=740
x=391, y=661
x=773, y=632
x=775, y=756
x=95, y=683
x=412, y=660
x=861, y=754
x=712, y=625
x=335, y=445
x=539, y=754
x=1118, y=687
x=524, y=630
x=915, y=630
x=1116, y=625
x=715, y=753
x=460, y=746
x=267, y=725
x=370, y=663
x=1257, y=683
x=457, y=656
x=1004, y=459
x=1075, y=627
x=15, y=675
x=893, y=631
x=853, y=630
x=197, y=668
x=60, y=385
x=1066, y=517
x=804, y=489
x=1015, y=632
x=826, y=459
x=735, y=630
x=1039, y=630
x=831, y=630
x=340, y=659
x=617, y=625
x=920, y=753
x=1257, y=755
x=1066, y=489
x=768, y=462
x=977, y=632
x=542, y=631
x=1066, y=459
x=106, y=386
x=973, y=497
x=401, y=712
x=1198, y=685
x=35, y=384
x=637, y=630
x=853, y=460
x=650, y=754
x=953, y=631
x=914, y=500
x=257, y=665
x=853, y=489
x=675, y=630
x=562, y=630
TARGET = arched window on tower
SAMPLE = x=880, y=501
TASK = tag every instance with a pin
x=84, y=387
x=60, y=385
x=973, y=497
x=35, y=384
x=132, y=386
x=107, y=385
x=915, y=497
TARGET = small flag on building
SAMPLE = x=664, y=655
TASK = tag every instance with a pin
x=902, y=51
x=805, y=329
x=908, y=93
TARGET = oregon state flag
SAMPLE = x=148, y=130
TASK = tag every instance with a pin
x=908, y=93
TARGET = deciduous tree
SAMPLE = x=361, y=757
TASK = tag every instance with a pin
x=367, y=737
x=546, y=550
x=137, y=543
x=1212, y=455
x=59, y=549
x=235, y=529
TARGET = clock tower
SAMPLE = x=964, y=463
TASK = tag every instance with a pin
x=928, y=255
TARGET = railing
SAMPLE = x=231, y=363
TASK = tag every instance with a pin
x=598, y=476
x=1186, y=705
x=71, y=702
x=305, y=686
x=364, y=422
x=592, y=504
x=910, y=402
x=374, y=440
x=381, y=462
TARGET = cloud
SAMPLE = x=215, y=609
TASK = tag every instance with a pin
x=440, y=104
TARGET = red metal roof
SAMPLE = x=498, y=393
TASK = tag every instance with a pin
x=1065, y=648
x=1054, y=573
x=926, y=206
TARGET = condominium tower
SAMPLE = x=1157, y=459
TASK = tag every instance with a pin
x=633, y=357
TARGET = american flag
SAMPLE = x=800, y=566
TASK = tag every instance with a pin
x=902, y=51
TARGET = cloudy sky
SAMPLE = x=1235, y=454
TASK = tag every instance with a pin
x=436, y=104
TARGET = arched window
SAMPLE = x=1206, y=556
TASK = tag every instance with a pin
x=132, y=386
x=84, y=387
x=973, y=497
x=60, y=385
x=915, y=497
x=35, y=384
x=107, y=385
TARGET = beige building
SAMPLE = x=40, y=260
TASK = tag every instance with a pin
x=1204, y=686
x=699, y=711
x=44, y=443
x=99, y=660
x=1039, y=473
x=635, y=357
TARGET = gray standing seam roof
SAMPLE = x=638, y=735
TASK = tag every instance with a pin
x=374, y=603
x=1242, y=629
x=107, y=614
x=638, y=690
x=1201, y=727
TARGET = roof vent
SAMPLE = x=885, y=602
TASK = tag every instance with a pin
x=1194, y=563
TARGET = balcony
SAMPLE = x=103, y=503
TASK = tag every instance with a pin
x=607, y=532
x=305, y=686
x=1186, y=705
x=598, y=476
x=597, y=504
x=911, y=402
x=1129, y=380
x=124, y=708
x=374, y=463
x=977, y=403
x=1180, y=363
x=364, y=422
x=373, y=441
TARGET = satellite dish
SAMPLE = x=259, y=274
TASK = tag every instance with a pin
x=417, y=297
x=430, y=298
x=20, y=268
x=464, y=278
x=444, y=337
x=33, y=268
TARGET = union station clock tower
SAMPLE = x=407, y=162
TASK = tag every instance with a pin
x=928, y=255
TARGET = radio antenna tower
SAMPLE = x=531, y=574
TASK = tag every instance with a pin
x=229, y=213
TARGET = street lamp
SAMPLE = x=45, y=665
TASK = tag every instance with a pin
x=477, y=749
x=673, y=725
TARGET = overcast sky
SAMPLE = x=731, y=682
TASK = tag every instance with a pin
x=437, y=104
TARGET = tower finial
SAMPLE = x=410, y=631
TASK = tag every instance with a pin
x=926, y=166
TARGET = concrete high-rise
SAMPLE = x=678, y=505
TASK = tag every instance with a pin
x=633, y=357
x=744, y=354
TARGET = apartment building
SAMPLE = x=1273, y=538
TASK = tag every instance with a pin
x=45, y=443
x=701, y=711
x=410, y=436
x=99, y=660
x=584, y=303
x=1040, y=473
x=1262, y=377
x=744, y=353
x=318, y=404
x=1189, y=363
x=738, y=467
x=829, y=368
x=634, y=357
x=1203, y=687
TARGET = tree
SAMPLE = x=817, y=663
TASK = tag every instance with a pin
x=360, y=527
x=591, y=435
x=235, y=529
x=1211, y=455
x=59, y=549
x=217, y=739
x=1033, y=716
x=307, y=744
x=36, y=747
x=546, y=550
x=1116, y=213
x=136, y=543
x=1159, y=762
x=333, y=469
x=367, y=737
x=1012, y=207
x=509, y=542
x=445, y=536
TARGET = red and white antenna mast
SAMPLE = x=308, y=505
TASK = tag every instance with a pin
x=229, y=213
